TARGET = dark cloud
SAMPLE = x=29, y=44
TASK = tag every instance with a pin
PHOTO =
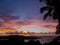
x=8, y=18
x=23, y=22
x=49, y=26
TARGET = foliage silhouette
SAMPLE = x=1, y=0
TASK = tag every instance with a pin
x=53, y=7
x=17, y=40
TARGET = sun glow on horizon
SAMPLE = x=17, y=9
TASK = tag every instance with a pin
x=35, y=25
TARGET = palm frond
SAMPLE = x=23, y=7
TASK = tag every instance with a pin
x=49, y=2
x=45, y=16
x=54, y=15
x=43, y=9
x=40, y=0
x=49, y=11
x=48, y=14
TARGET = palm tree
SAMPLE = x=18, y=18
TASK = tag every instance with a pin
x=53, y=7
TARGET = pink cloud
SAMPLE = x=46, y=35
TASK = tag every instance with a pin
x=51, y=25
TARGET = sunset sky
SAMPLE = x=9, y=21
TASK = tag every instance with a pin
x=25, y=15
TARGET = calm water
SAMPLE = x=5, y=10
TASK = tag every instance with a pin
x=44, y=39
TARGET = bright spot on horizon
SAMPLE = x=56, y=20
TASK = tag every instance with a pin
x=34, y=29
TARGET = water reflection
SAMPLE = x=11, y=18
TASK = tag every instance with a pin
x=42, y=40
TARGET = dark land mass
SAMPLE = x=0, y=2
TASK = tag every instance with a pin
x=19, y=40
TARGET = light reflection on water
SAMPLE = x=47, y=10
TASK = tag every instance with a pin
x=44, y=39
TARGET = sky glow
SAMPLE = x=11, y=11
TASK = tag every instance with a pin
x=25, y=15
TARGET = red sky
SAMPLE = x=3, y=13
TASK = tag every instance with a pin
x=26, y=15
x=39, y=24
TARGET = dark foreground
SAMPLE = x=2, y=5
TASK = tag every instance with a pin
x=19, y=40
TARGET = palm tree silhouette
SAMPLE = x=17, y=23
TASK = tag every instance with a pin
x=53, y=7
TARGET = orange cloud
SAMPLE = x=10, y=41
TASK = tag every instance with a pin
x=7, y=30
x=9, y=24
x=51, y=25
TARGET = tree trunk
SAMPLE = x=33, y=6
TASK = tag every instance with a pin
x=57, y=8
x=58, y=29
